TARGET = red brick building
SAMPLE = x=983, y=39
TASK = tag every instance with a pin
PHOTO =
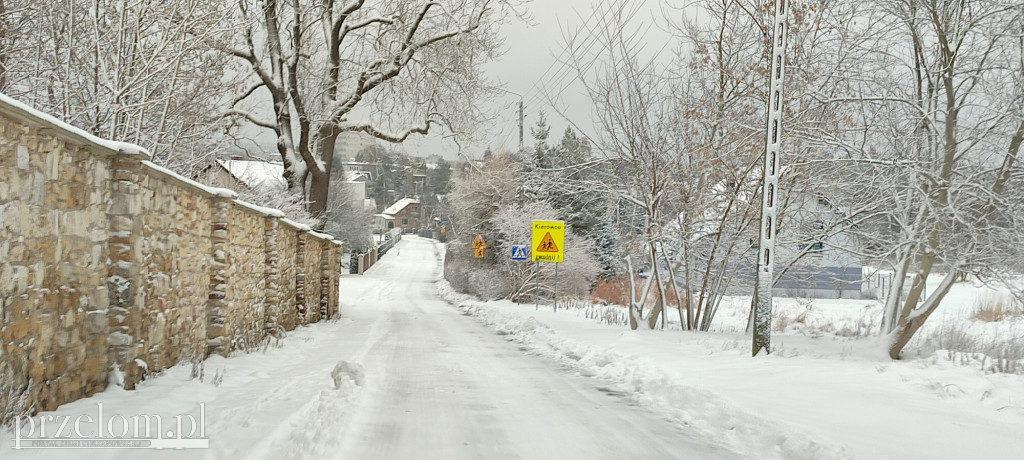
x=408, y=214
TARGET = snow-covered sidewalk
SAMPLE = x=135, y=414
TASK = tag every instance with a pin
x=814, y=398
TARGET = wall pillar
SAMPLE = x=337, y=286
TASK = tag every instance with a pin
x=123, y=271
x=300, y=279
x=216, y=312
x=272, y=267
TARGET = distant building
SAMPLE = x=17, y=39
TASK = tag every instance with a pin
x=817, y=259
x=263, y=175
x=382, y=223
x=407, y=214
x=244, y=175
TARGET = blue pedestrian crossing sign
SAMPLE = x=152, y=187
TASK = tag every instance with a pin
x=520, y=252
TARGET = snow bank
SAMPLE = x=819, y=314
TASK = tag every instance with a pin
x=828, y=389
x=648, y=385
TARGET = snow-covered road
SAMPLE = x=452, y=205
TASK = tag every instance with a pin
x=441, y=386
x=438, y=385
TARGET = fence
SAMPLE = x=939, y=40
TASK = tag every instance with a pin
x=360, y=263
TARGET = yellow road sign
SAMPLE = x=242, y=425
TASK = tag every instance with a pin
x=478, y=253
x=548, y=241
x=478, y=243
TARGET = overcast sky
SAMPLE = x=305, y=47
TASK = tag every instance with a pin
x=531, y=62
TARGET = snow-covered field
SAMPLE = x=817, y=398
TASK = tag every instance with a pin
x=404, y=374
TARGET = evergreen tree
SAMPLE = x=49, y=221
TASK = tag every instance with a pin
x=541, y=152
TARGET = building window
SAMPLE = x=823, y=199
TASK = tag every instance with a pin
x=816, y=243
x=405, y=221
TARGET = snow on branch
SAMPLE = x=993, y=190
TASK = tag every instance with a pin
x=388, y=137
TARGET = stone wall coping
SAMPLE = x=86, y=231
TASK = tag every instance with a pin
x=296, y=225
x=45, y=123
x=324, y=236
x=303, y=228
x=267, y=212
x=212, y=191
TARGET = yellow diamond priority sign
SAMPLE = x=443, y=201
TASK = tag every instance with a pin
x=548, y=241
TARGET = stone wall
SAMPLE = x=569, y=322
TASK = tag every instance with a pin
x=287, y=242
x=312, y=271
x=160, y=249
x=53, y=263
x=110, y=265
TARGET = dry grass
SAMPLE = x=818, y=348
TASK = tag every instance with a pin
x=961, y=345
x=993, y=308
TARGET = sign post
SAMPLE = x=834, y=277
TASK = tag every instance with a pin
x=548, y=246
x=520, y=252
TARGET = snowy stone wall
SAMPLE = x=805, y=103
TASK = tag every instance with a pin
x=311, y=277
x=113, y=266
x=287, y=312
x=53, y=267
x=160, y=249
x=245, y=259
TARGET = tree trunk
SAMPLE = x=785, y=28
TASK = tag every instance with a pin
x=659, y=303
x=892, y=300
x=632, y=295
x=910, y=326
x=319, y=187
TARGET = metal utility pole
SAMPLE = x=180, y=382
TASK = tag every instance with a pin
x=520, y=96
x=520, y=124
x=770, y=185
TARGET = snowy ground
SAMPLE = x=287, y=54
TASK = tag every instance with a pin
x=828, y=391
x=428, y=379
x=403, y=374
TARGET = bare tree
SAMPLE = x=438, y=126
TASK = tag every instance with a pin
x=391, y=69
x=130, y=70
x=932, y=133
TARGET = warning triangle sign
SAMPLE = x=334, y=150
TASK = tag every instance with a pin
x=547, y=244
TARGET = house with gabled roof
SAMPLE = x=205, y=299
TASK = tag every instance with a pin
x=407, y=214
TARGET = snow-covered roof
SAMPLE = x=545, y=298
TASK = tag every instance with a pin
x=216, y=191
x=400, y=205
x=257, y=174
x=352, y=176
x=385, y=216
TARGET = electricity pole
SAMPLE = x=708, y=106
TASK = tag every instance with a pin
x=520, y=124
x=770, y=185
x=520, y=96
